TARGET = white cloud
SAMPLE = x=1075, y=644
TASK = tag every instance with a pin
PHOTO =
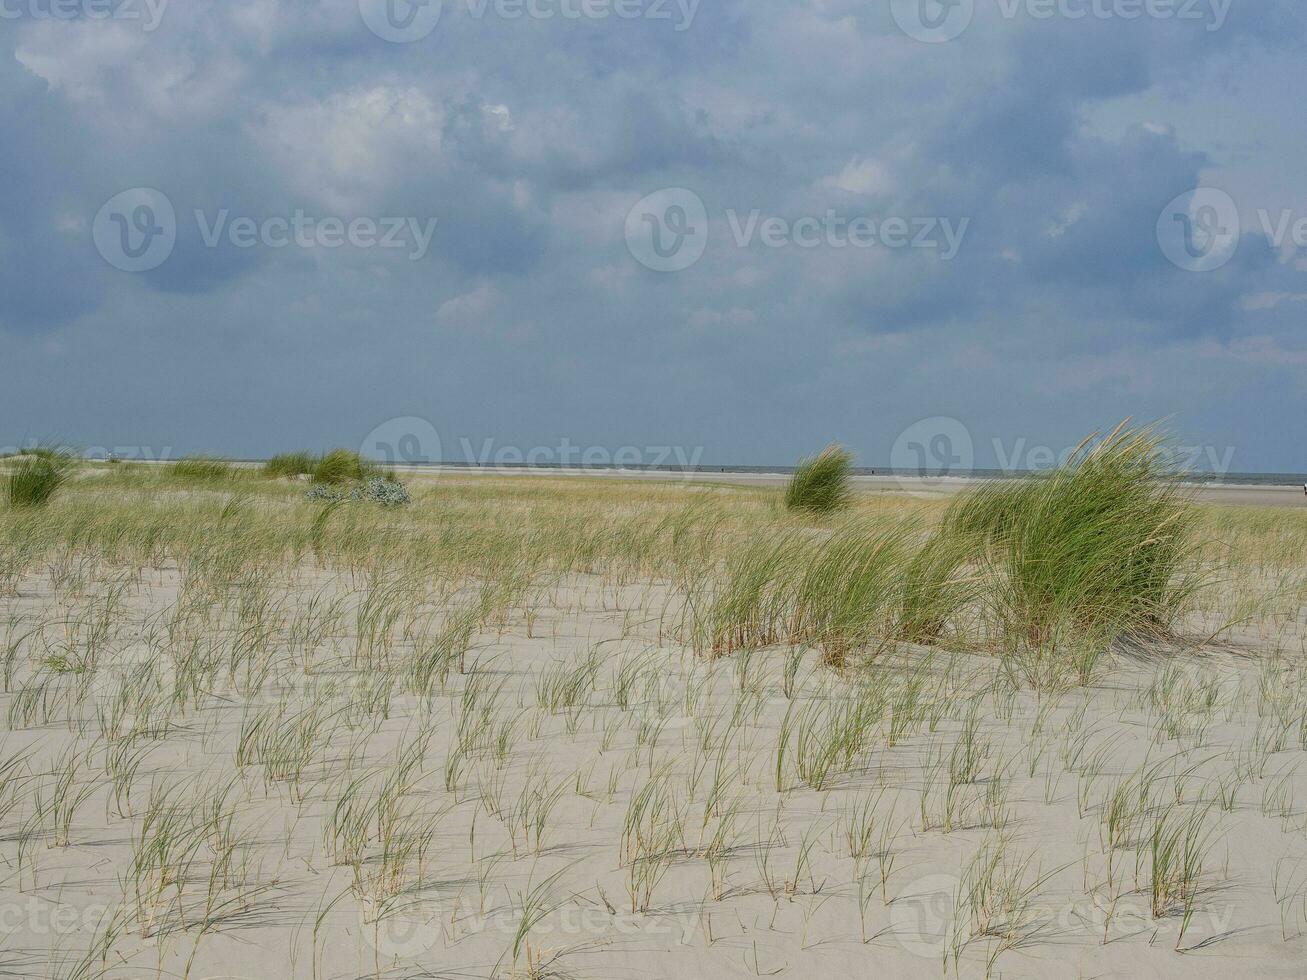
x=342, y=149
x=469, y=309
x=500, y=117
x=73, y=57
x=1059, y=226
x=861, y=176
x=131, y=77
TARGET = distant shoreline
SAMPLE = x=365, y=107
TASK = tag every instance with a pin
x=752, y=473
x=1241, y=480
x=1239, y=494
x=1240, y=489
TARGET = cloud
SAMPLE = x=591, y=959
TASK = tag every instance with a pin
x=1058, y=142
x=861, y=177
x=469, y=308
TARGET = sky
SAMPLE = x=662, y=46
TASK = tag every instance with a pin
x=654, y=231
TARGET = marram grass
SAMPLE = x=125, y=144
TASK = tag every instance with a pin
x=290, y=465
x=1103, y=545
x=35, y=478
x=821, y=483
x=342, y=466
x=202, y=468
x=1060, y=564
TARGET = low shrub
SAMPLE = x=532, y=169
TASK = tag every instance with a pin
x=377, y=490
x=386, y=492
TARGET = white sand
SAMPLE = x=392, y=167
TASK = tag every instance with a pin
x=777, y=913
x=1244, y=495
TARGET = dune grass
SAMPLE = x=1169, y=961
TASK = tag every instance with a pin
x=860, y=586
x=342, y=466
x=821, y=483
x=938, y=583
x=36, y=476
x=504, y=673
x=1103, y=545
x=290, y=464
x=200, y=468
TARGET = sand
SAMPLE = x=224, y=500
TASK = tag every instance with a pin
x=1239, y=495
x=1216, y=736
x=1242, y=495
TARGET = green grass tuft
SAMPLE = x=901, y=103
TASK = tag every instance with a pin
x=821, y=483
x=36, y=476
x=839, y=592
x=1099, y=547
x=290, y=465
x=342, y=466
x=204, y=468
x=1056, y=567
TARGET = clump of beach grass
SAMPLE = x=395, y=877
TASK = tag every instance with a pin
x=838, y=592
x=36, y=477
x=342, y=466
x=290, y=465
x=203, y=468
x=821, y=483
x=937, y=582
x=1100, y=547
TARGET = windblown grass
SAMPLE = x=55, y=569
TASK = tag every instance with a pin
x=263, y=700
x=35, y=478
x=200, y=468
x=939, y=581
x=290, y=465
x=342, y=466
x=1102, y=546
x=861, y=585
x=821, y=483
x=1105, y=546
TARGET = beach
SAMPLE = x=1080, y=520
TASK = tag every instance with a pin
x=543, y=724
x=1234, y=494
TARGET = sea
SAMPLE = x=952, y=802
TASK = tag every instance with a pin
x=1198, y=477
